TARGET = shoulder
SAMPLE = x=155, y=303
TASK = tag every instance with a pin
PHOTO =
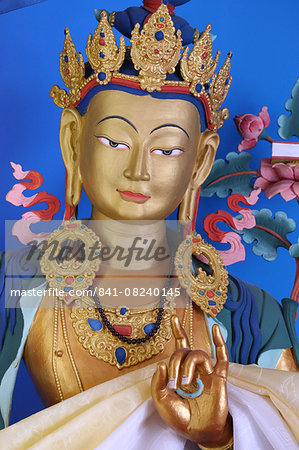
x=256, y=323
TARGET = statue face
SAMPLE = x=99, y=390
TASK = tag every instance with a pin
x=137, y=154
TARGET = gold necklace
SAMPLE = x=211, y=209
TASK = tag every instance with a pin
x=94, y=336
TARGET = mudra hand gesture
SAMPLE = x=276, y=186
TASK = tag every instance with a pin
x=204, y=419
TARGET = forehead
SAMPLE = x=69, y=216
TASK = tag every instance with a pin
x=145, y=112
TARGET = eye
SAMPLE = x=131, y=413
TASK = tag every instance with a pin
x=174, y=152
x=112, y=144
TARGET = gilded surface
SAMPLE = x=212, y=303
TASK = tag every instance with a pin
x=155, y=51
x=102, y=344
x=209, y=292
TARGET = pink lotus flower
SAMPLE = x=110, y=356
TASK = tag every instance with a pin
x=251, y=127
x=280, y=179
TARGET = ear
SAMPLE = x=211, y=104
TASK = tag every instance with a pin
x=206, y=153
x=207, y=148
x=69, y=136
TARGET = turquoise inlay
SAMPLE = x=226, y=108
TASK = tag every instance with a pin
x=59, y=279
x=218, y=293
x=80, y=279
x=202, y=293
x=162, y=19
x=148, y=328
x=195, y=394
x=95, y=325
x=120, y=355
x=123, y=311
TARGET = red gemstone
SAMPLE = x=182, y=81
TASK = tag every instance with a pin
x=102, y=42
x=125, y=330
x=69, y=280
x=103, y=14
x=160, y=25
x=156, y=51
x=205, y=47
x=204, y=55
x=67, y=71
x=64, y=100
x=214, y=311
x=210, y=294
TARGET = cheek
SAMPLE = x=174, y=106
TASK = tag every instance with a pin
x=172, y=178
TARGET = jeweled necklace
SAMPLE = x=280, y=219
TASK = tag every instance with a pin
x=100, y=331
x=157, y=324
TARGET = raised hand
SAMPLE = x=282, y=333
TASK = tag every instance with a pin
x=204, y=419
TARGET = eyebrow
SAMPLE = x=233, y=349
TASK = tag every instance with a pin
x=120, y=118
x=171, y=125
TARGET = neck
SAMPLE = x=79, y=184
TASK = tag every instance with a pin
x=131, y=245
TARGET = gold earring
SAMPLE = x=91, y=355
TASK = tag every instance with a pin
x=208, y=291
x=70, y=259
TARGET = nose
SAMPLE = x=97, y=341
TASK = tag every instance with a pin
x=136, y=169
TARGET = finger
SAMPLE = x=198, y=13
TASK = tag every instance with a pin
x=192, y=362
x=222, y=364
x=181, y=339
x=175, y=363
x=159, y=382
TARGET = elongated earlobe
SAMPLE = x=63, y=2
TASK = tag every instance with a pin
x=70, y=132
x=207, y=148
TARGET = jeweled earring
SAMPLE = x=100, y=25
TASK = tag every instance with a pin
x=71, y=258
x=208, y=291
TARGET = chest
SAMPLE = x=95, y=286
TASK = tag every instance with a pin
x=66, y=353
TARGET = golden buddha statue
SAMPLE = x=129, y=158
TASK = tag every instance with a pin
x=139, y=134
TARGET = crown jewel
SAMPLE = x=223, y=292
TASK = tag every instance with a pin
x=155, y=52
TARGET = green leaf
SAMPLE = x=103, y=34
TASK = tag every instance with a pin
x=289, y=125
x=269, y=233
x=230, y=176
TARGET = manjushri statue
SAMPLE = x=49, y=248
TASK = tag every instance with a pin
x=207, y=362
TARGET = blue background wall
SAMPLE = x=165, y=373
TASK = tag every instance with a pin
x=264, y=39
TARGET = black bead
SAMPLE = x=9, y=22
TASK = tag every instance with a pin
x=151, y=333
x=117, y=333
x=129, y=341
x=144, y=339
x=139, y=341
x=134, y=341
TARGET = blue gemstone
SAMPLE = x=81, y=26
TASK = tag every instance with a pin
x=212, y=303
x=66, y=59
x=102, y=76
x=180, y=266
x=73, y=219
x=68, y=289
x=102, y=34
x=80, y=279
x=201, y=293
x=95, y=324
x=188, y=242
x=202, y=66
x=65, y=31
x=83, y=226
x=165, y=2
x=159, y=36
x=198, y=88
x=218, y=293
x=148, y=328
x=123, y=311
x=120, y=355
x=102, y=55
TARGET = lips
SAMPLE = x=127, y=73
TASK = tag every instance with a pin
x=133, y=196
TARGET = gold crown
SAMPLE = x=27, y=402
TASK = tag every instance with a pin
x=155, y=52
